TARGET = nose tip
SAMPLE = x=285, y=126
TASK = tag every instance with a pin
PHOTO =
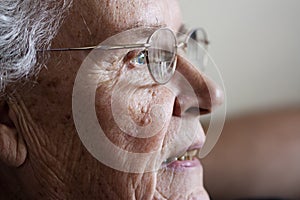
x=216, y=94
x=208, y=94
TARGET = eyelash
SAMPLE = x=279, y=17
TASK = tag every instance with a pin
x=139, y=59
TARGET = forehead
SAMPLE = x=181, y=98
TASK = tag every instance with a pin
x=140, y=12
x=112, y=16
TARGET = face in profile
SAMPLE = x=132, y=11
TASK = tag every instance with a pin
x=150, y=123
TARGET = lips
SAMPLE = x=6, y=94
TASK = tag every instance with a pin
x=185, y=160
x=184, y=164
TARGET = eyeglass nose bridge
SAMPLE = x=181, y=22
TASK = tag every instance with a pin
x=182, y=45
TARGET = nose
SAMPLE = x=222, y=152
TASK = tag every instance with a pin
x=195, y=91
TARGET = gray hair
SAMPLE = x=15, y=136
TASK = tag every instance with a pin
x=25, y=27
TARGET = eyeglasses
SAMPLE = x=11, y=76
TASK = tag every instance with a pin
x=160, y=51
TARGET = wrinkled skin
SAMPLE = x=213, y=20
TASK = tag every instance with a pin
x=50, y=162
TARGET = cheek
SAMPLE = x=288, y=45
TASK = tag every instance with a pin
x=140, y=109
x=135, y=113
x=147, y=106
x=150, y=106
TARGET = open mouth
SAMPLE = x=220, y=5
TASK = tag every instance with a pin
x=185, y=160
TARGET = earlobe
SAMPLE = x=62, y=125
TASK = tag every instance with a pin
x=13, y=150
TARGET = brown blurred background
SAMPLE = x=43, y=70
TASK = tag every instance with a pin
x=257, y=156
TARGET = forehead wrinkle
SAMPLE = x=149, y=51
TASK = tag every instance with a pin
x=122, y=15
x=105, y=18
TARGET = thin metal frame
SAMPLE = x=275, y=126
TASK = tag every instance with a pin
x=140, y=45
x=132, y=46
x=174, y=58
x=104, y=47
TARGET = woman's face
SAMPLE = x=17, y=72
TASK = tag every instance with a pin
x=65, y=167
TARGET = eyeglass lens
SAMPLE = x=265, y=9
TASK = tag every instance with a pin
x=161, y=55
x=196, y=51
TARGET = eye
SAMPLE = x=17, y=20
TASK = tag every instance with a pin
x=139, y=59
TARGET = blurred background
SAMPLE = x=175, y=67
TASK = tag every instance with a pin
x=256, y=45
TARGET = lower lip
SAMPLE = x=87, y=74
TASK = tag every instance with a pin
x=184, y=164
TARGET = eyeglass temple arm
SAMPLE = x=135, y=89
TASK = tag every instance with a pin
x=102, y=47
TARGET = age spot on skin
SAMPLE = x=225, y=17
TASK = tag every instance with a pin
x=139, y=107
x=142, y=105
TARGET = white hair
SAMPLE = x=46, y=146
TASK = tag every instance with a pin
x=25, y=27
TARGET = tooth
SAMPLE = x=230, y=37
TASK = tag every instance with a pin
x=188, y=155
x=182, y=158
x=193, y=152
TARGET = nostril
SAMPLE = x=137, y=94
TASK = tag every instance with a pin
x=204, y=111
x=176, y=108
x=179, y=108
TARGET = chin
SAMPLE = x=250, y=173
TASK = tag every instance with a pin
x=182, y=179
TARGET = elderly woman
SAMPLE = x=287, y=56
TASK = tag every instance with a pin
x=45, y=149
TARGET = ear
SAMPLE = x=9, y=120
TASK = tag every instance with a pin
x=13, y=150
